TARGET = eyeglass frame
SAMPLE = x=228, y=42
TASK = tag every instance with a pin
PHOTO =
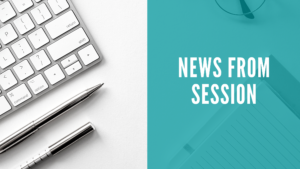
x=243, y=13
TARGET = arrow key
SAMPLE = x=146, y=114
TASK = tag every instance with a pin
x=69, y=61
x=73, y=68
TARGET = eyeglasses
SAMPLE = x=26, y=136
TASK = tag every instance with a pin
x=240, y=7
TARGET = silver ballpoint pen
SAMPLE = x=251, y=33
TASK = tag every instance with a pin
x=35, y=125
x=58, y=146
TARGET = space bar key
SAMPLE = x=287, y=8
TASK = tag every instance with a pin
x=68, y=44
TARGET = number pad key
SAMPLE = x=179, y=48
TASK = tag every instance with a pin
x=24, y=24
x=7, y=80
x=7, y=34
x=22, y=5
x=38, y=38
x=23, y=70
x=41, y=14
x=40, y=60
x=21, y=48
x=6, y=12
x=6, y=58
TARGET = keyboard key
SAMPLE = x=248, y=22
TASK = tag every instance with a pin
x=54, y=74
x=6, y=12
x=7, y=80
x=38, y=38
x=4, y=105
x=41, y=14
x=88, y=55
x=7, y=34
x=21, y=48
x=40, y=42
x=22, y=5
x=68, y=44
x=73, y=68
x=58, y=6
x=23, y=70
x=40, y=60
x=24, y=24
x=6, y=58
x=38, y=84
x=62, y=24
x=19, y=95
x=69, y=61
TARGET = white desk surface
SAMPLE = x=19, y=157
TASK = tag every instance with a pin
x=118, y=110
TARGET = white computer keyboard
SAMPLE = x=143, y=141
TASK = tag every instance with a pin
x=44, y=43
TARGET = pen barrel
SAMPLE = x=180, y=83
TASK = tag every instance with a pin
x=34, y=160
x=61, y=109
x=71, y=138
x=17, y=137
x=32, y=127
